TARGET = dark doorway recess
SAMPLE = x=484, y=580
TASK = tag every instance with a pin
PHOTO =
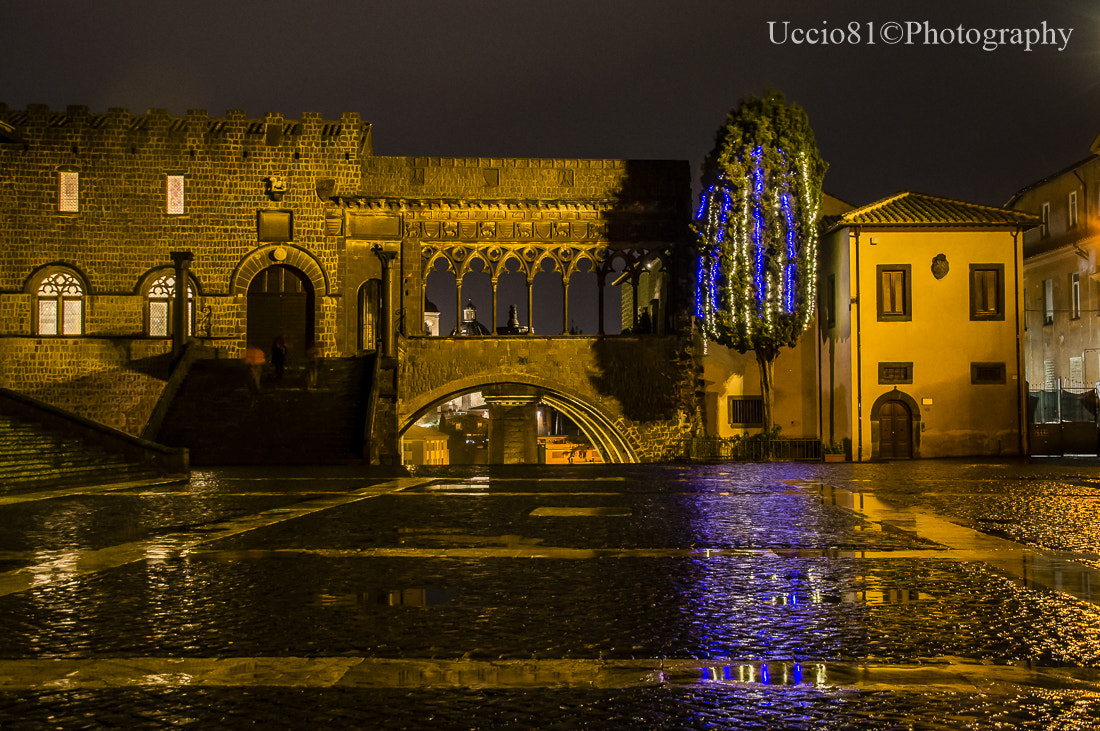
x=280, y=302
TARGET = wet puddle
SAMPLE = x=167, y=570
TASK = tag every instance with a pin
x=1029, y=567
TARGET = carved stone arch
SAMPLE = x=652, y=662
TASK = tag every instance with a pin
x=536, y=268
x=152, y=275
x=574, y=265
x=479, y=256
x=30, y=284
x=502, y=265
x=914, y=412
x=429, y=265
x=608, y=264
x=601, y=428
x=270, y=255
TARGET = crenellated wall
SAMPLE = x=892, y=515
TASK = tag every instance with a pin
x=122, y=234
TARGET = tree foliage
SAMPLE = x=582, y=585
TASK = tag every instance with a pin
x=757, y=227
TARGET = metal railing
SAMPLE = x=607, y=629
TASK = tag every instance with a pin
x=752, y=449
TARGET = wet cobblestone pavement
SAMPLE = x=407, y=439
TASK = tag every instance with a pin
x=930, y=595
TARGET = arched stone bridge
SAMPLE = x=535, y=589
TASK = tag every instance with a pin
x=632, y=396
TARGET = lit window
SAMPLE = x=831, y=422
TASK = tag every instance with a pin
x=175, y=195
x=68, y=193
x=60, y=305
x=746, y=411
x=1044, y=224
x=987, y=292
x=1073, y=209
x=1048, y=301
x=894, y=297
x=160, y=303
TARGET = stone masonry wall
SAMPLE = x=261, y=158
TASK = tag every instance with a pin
x=644, y=385
x=524, y=178
x=122, y=233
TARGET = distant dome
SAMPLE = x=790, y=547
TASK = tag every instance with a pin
x=429, y=306
x=470, y=325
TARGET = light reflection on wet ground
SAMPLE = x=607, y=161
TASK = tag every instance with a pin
x=924, y=595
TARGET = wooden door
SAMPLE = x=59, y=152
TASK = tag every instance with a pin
x=895, y=431
x=280, y=302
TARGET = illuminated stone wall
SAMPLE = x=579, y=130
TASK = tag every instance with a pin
x=643, y=388
x=122, y=234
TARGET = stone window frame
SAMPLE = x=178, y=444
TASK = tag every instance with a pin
x=988, y=374
x=977, y=311
x=895, y=372
x=157, y=293
x=172, y=197
x=68, y=190
x=906, y=271
x=66, y=289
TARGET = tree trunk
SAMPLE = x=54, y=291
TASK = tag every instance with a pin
x=765, y=358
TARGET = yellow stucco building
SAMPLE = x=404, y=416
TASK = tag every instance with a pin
x=920, y=329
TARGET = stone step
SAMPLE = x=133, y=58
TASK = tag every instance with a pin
x=32, y=455
x=223, y=419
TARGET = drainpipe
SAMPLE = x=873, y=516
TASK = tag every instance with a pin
x=182, y=261
x=859, y=356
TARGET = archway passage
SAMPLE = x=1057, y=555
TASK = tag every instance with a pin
x=280, y=302
x=895, y=431
x=592, y=423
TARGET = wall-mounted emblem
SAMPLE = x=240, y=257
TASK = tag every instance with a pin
x=940, y=267
x=275, y=187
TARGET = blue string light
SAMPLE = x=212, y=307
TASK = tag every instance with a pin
x=758, y=222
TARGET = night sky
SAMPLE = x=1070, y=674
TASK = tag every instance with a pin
x=597, y=78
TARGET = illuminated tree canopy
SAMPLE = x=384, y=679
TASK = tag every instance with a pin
x=756, y=231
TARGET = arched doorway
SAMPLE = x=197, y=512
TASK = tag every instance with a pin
x=895, y=430
x=280, y=302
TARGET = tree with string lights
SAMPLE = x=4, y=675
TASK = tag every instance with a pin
x=756, y=232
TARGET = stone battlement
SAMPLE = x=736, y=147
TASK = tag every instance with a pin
x=127, y=132
x=494, y=178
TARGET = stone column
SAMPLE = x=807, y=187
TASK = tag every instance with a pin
x=513, y=424
x=493, y=324
x=564, y=306
x=387, y=253
x=599, y=305
x=182, y=262
x=458, y=305
x=530, y=306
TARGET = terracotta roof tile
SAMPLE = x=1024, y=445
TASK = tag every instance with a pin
x=917, y=209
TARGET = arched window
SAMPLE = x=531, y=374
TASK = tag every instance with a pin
x=60, y=298
x=159, y=304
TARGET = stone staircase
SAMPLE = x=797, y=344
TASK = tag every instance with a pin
x=33, y=455
x=223, y=419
